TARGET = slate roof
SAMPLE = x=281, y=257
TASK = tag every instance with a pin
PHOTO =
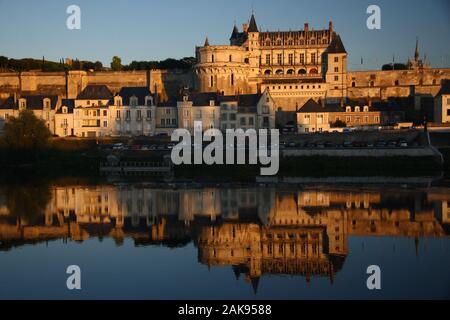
x=69, y=103
x=252, y=26
x=336, y=45
x=7, y=103
x=312, y=106
x=243, y=100
x=140, y=92
x=36, y=102
x=445, y=89
x=95, y=92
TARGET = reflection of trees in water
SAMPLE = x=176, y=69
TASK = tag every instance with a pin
x=27, y=202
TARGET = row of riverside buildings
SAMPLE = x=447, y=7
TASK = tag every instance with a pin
x=136, y=111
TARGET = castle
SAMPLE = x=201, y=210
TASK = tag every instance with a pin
x=286, y=69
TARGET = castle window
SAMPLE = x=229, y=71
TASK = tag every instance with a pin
x=396, y=82
x=348, y=109
x=336, y=59
x=336, y=69
x=324, y=41
x=232, y=79
x=372, y=83
x=268, y=43
x=313, y=42
x=279, y=71
x=246, y=60
x=290, y=71
x=211, y=81
x=336, y=78
x=212, y=58
x=302, y=71
x=230, y=58
x=267, y=58
x=279, y=42
x=291, y=58
x=366, y=108
x=302, y=58
x=268, y=72
x=313, y=71
x=279, y=58
x=290, y=42
x=302, y=42
x=313, y=58
x=353, y=84
x=64, y=109
x=357, y=109
x=133, y=101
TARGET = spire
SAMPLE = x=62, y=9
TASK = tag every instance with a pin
x=416, y=53
x=235, y=32
x=206, y=42
x=255, y=282
x=253, y=27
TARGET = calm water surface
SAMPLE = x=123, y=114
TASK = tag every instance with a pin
x=139, y=242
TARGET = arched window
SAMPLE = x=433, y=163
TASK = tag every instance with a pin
x=279, y=71
x=357, y=109
x=268, y=72
x=313, y=71
x=353, y=84
x=290, y=71
x=302, y=71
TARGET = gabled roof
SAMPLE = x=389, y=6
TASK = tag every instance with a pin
x=445, y=89
x=139, y=92
x=69, y=103
x=36, y=102
x=100, y=92
x=235, y=33
x=336, y=45
x=252, y=26
x=312, y=106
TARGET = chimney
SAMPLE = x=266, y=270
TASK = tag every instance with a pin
x=322, y=103
x=245, y=27
x=330, y=27
x=306, y=27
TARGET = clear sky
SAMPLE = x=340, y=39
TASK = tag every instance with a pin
x=158, y=29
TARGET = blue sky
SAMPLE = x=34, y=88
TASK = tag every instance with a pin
x=157, y=29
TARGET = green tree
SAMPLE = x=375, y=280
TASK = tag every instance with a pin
x=116, y=63
x=338, y=124
x=26, y=133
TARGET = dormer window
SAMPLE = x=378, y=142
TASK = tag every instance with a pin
x=118, y=101
x=133, y=101
x=211, y=103
x=46, y=103
x=22, y=104
x=366, y=109
x=348, y=109
x=148, y=101
x=357, y=109
x=185, y=98
x=64, y=109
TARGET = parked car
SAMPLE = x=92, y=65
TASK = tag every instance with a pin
x=347, y=144
x=402, y=143
x=392, y=144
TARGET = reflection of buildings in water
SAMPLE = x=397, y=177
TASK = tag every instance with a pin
x=256, y=230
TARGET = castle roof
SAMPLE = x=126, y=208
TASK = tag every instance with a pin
x=36, y=102
x=252, y=26
x=445, y=89
x=95, y=92
x=336, y=45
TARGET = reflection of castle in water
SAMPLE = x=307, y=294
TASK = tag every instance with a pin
x=256, y=230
